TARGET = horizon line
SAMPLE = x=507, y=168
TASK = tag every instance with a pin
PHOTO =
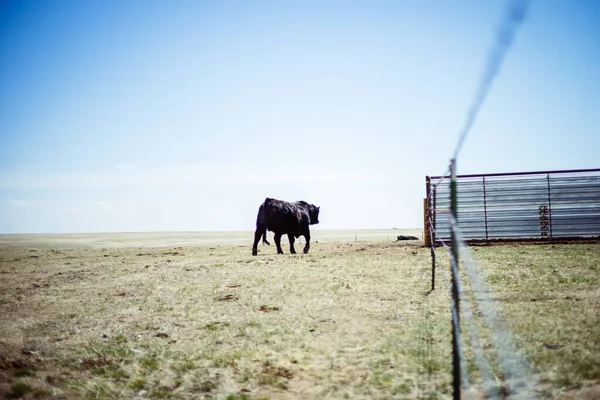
x=195, y=231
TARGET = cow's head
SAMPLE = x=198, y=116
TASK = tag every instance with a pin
x=313, y=213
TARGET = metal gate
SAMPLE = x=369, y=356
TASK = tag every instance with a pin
x=520, y=205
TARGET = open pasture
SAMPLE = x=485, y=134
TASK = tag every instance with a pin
x=347, y=320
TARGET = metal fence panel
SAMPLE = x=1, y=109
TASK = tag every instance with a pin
x=528, y=205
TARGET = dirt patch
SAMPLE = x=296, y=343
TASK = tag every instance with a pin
x=90, y=363
x=265, y=308
x=16, y=365
x=227, y=297
x=279, y=371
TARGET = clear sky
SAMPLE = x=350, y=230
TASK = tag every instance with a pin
x=148, y=115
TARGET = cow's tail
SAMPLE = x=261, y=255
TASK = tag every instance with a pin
x=264, y=236
x=261, y=221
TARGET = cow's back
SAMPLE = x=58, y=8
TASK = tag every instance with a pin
x=281, y=216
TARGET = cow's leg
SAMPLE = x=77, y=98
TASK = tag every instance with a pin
x=278, y=243
x=307, y=237
x=292, y=240
x=257, y=235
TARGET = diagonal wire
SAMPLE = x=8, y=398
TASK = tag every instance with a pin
x=446, y=279
x=514, y=366
x=489, y=383
x=443, y=178
x=514, y=17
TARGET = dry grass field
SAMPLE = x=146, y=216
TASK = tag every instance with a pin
x=124, y=317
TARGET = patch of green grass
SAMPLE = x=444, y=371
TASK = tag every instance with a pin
x=215, y=326
x=383, y=378
x=22, y=372
x=42, y=393
x=111, y=371
x=225, y=360
x=115, y=347
x=207, y=386
x=137, y=383
x=433, y=366
x=236, y=396
x=271, y=380
x=211, y=327
x=183, y=366
x=160, y=393
x=57, y=381
x=21, y=389
x=403, y=388
x=149, y=363
x=18, y=390
x=119, y=338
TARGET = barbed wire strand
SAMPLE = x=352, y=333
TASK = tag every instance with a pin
x=514, y=366
x=441, y=179
x=516, y=369
x=510, y=365
x=505, y=37
x=463, y=369
x=488, y=381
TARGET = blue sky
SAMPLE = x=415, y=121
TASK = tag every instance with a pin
x=158, y=115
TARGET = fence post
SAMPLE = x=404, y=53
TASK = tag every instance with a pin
x=456, y=378
x=426, y=224
x=427, y=233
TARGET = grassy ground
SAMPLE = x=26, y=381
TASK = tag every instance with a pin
x=347, y=320
x=550, y=294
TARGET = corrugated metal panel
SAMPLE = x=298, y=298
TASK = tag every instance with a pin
x=547, y=204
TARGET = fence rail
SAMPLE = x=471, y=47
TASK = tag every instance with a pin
x=521, y=205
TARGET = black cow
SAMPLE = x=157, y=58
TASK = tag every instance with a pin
x=281, y=217
x=402, y=237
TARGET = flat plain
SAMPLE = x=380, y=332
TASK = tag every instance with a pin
x=194, y=315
